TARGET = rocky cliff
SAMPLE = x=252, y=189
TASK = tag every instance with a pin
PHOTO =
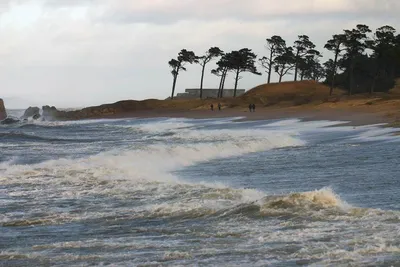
x=3, y=113
x=103, y=111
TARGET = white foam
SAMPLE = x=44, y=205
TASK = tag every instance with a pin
x=156, y=161
x=166, y=125
x=376, y=133
x=286, y=122
x=373, y=132
x=302, y=125
x=78, y=122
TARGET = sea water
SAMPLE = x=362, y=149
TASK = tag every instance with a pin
x=211, y=192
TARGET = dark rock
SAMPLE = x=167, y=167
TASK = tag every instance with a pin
x=36, y=116
x=31, y=112
x=50, y=113
x=9, y=121
x=3, y=113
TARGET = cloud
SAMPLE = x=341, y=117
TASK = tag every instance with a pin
x=74, y=53
x=170, y=11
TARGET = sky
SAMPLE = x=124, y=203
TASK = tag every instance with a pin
x=76, y=53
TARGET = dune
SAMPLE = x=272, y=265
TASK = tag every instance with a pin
x=305, y=99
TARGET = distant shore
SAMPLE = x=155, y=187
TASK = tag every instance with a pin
x=305, y=100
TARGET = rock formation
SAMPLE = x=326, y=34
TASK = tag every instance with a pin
x=103, y=111
x=3, y=113
x=50, y=113
x=36, y=116
x=31, y=112
x=9, y=121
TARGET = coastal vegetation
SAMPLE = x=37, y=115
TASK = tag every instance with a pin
x=361, y=61
x=178, y=64
x=212, y=53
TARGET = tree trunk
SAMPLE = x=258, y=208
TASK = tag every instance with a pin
x=332, y=83
x=351, y=87
x=201, y=81
x=236, y=82
x=296, y=67
x=373, y=83
x=334, y=73
x=270, y=67
x=173, y=85
x=220, y=86
x=223, y=83
x=280, y=77
x=372, y=89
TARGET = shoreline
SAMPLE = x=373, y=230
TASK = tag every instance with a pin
x=349, y=117
x=304, y=100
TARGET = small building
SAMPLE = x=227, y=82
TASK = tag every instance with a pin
x=209, y=93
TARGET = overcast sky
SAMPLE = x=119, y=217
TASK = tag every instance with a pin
x=74, y=53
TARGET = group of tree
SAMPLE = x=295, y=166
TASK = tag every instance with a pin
x=237, y=62
x=301, y=57
x=362, y=61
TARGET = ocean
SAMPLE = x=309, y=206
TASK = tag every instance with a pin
x=199, y=192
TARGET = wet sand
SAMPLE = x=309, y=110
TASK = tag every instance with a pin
x=349, y=117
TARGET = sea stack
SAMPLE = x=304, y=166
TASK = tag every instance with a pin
x=3, y=113
x=49, y=113
x=33, y=112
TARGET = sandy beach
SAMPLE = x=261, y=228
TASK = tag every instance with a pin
x=353, y=116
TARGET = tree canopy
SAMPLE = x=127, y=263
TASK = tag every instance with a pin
x=366, y=61
x=284, y=62
x=301, y=48
x=362, y=60
x=276, y=46
x=178, y=64
x=212, y=53
x=242, y=61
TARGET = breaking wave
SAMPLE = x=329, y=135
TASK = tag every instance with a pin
x=129, y=205
x=191, y=201
x=146, y=173
x=228, y=202
x=155, y=161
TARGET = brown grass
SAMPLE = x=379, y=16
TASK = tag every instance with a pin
x=276, y=95
x=286, y=97
x=310, y=96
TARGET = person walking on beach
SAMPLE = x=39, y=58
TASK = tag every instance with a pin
x=219, y=106
x=253, y=107
x=212, y=107
x=250, y=107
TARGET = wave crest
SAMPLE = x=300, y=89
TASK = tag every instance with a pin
x=313, y=200
x=230, y=202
